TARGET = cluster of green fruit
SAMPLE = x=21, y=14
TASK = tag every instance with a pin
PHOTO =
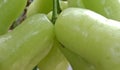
x=85, y=35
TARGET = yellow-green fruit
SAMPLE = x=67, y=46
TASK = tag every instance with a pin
x=76, y=3
x=90, y=35
x=75, y=60
x=63, y=4
x=40, y=6
x=27, y=44
x=10, y=10
x=55, y=60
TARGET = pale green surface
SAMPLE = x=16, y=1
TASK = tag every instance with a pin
x=75, y=3
x=90, y=35
x=10, y=10
x=40, y=6
x=108, y=8
x=63, y=4
x=55, y=60
x=76, y=61
x=27, y=44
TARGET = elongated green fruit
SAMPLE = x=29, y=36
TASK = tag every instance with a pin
x=92, y=36
x=27, y=44
x=107, y=8
x=75, y=3
x=40, y=6
x=10, y=10
x=77, y=62
x=55, y=60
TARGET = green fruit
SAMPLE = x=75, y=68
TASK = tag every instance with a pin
x=55, y=60
x=63, y=4
x=10, y=10
x=27, y=44
x=76, y=61
x=75, y=3
x=107, y=8
x=49, y=15
x=90, y=35
x=40, y=6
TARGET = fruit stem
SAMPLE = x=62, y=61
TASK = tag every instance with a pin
x=58, y=7
x=56, y=10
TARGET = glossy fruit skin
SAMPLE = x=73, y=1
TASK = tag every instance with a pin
x=76, y=61
x=40, y=6
x=63, y=4
x=92, y=36
x=10, y=10
x=76, y=3
x=27, y=44
x=107, y=8
x=55, y=60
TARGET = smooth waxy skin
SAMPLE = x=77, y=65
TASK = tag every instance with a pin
x=40, y=6
x=77, y=62
x=27, y=44
x=10, y=10
x=75, y=3
x=92, y=36
x=55, y=60
x=107, y=8
x=63, y=4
